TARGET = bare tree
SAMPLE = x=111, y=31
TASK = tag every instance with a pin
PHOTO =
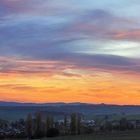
x=49, y=123
x=29, y=126
x=38, y=129
x=74, y=124
x=65, y=124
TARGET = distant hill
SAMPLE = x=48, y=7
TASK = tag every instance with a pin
x=2, y=103
x=28, y=104
x=13, y=110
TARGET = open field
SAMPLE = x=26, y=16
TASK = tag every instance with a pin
x=102, y=137
x=135, y=135
x=97, y=138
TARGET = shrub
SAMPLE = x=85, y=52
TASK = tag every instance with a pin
x=52, y=132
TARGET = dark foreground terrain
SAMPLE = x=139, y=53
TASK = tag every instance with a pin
x=132, y=135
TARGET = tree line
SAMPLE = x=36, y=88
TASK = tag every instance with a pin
x=37, y=127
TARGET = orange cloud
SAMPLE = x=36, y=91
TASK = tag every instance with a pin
x=56, y=81
x=129, y=34
x=100, y=87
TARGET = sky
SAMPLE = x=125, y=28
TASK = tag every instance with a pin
x=70, y=51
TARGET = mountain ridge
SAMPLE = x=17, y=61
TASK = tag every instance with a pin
x=6, y=103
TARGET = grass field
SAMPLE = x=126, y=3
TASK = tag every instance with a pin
x=128, y=135
x=135, y=135
x=103, y=137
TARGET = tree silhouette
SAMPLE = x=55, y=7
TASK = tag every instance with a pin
x=29, y=126
x=65, y=124
x=74, y=124
x=38, y=129
x=79, y=124
x=49, y=123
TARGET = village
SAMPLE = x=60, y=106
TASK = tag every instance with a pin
x=75, y=124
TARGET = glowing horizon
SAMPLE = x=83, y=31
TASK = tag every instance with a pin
x=70, y=51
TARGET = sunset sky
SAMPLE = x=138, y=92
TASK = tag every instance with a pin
x=70, y=51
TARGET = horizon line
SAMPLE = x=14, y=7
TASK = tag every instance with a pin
x=41, y=103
